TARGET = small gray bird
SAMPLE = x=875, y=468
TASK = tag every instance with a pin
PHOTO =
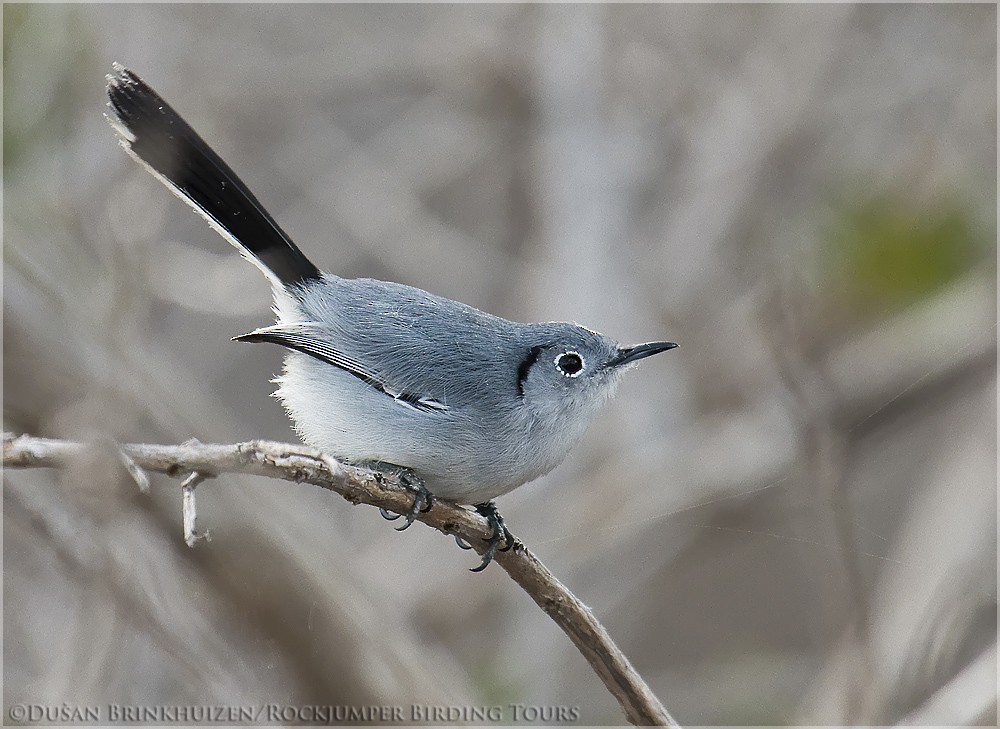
x=463, y=405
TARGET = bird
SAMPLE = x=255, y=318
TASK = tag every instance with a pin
x=460, y=404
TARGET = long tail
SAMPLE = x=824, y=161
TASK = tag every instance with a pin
x=159, y=139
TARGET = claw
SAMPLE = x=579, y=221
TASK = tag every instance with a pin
x=423, y=499
x=409, y=521
x=487, y=558
x=500, y=534
x=462, y=544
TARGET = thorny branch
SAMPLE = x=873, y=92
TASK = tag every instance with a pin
x=194, y=462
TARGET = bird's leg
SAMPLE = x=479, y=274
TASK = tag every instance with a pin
x=500, y=534
x=423, y=499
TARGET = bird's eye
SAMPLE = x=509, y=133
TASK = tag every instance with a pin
x=570, y=364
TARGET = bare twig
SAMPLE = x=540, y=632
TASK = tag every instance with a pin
x=189, y=510
x=137, y=474
x=360, y=486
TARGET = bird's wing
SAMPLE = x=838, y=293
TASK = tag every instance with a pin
x=309, y=338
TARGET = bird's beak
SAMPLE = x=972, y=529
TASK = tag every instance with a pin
x=627, y=355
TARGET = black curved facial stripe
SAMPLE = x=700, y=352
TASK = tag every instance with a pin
x=303, y=344
x=525, y=366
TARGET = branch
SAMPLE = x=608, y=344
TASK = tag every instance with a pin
x=360, y=486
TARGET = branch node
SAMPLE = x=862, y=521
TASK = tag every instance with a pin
x=138, y=475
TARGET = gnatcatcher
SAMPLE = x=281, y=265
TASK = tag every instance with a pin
x=464, y=405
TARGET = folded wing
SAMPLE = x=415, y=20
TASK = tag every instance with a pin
x=309, y=338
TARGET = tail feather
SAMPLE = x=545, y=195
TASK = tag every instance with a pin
x=157, y=136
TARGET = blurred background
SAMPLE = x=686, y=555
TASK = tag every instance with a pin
x=790, y=519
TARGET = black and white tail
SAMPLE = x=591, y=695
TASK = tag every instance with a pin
x=159, y=139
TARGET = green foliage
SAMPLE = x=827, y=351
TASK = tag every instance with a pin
x=885, y=253
x=50, y=66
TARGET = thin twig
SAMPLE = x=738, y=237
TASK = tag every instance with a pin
x=189, y=510
x=360, y=486
x=137, y=474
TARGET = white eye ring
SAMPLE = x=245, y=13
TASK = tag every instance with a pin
x=576, y=360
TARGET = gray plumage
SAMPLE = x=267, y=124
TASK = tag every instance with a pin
x=381, y=373
x=488, y=430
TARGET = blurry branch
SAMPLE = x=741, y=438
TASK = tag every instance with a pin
x=915, y=355
x=907, y=362
x=969, y=699
x=792, y=313
x=195, y=462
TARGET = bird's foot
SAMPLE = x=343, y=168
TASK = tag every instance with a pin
x=423, y=499
x=501, y=534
